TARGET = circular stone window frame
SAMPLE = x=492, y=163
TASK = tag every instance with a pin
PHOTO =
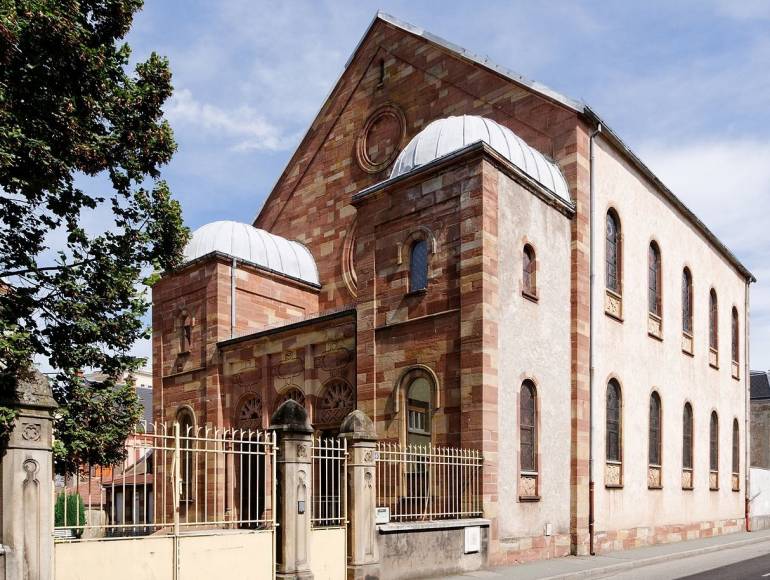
x=362, y=157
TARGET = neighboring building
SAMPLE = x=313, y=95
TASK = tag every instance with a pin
x=760, y=419
x=445, y=213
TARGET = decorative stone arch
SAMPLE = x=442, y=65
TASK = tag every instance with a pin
x=292, y=392
x=337, y=400
x=349, y=275
x=405, y=379
x=183, y=324
x=417, y=234
x=421, y=411
x=186, y=412
x=249, y=412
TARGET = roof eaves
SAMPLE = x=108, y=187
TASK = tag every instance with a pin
x=615, y=139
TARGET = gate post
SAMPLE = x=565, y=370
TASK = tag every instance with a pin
x=294, y=490
x=363, y=555
x=27, y=483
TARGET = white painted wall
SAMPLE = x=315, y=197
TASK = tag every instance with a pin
x=641, y=363
x=759, y=491
x=534, y=343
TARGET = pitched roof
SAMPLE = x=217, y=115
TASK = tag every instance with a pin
x=760, y=385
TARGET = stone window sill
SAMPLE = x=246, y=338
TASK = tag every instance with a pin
x=654, y=487
x=691, y=488
x=613, y=305
x=613, y=486
x=531, y=296
x=529, y=498
x=422, y=292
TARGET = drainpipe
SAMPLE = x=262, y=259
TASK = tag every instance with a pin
x=592, y=211
x=232, y=298
x=747, y=404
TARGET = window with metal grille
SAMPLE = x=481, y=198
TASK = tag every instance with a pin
x=736, y=448
x=713, y=320
x=736, y=340
x=529, y=268
x=687, y=436
x=687, y=301
x=528, y=427
x=654, y=280
x=655, y=430
x=714, y=442
x=418, y=266
x=418, y=412
x=612, y=251
x=613, y=421
x=187, y=436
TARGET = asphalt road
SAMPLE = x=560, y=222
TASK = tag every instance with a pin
x=756, y=568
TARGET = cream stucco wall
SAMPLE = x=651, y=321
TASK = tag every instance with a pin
x=641, y=363
x=534, y=343
x=328, y=553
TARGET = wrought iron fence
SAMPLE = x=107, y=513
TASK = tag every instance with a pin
x=330, y=456
x=172, y=481
x=428, y=483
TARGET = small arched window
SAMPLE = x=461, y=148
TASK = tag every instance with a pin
x=687, y=440
x=714, y=451
x=529, y=271
x=654, y=289
x=655, y=431
x=686, y=301
x=186, y=422
x=418, y=266
x=185, y=332
x=713, y=320
x=528, y=427
x=613, y=427
x=735, y=338
x=736, y=449
x=612, y=252
x=418, y=402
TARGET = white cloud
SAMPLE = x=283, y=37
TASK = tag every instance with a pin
x=727, y=184
x=249, y=130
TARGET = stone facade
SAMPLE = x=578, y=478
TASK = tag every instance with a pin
x=362, y=336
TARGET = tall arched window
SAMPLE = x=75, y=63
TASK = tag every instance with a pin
x=528, y=427
x=736, y=457
x=655, y=431
x=687, y=443
x=418, y=266
x=735, y=337
x=686, y=301
x=612, y=252
x=418, y=400
x=186, y=422
x=714, y=451
x=529, y=271
x=654, y=289
x=613, y=473
x=713, y=320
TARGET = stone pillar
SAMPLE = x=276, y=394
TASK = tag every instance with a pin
x=295, y=490
x=363, y=556
x=27, y=483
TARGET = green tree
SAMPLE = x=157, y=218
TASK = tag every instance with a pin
x=75, y=512
x=74, y=120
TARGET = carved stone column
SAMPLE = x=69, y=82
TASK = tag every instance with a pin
x=363, y=556
x=295, y=490
x=27, y=483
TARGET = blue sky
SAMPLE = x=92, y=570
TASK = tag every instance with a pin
x=684, y=83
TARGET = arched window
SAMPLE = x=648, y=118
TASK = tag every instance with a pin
x=735, y=337
x=612, y=252
x=713, y=320
x=185, y=332
x=529, y=271
x=655, y=431
x=614, y=435
x=186, y=420
x=687, y=437
x=418, y=266
x=714, y=451
x=736, y=449
x=528, y=427
x=654, y=302
x=418, y=402
x=686, y=301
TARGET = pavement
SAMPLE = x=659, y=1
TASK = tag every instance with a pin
x=616, y=563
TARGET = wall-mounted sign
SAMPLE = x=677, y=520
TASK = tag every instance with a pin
x=472, y=539
x=382, y=515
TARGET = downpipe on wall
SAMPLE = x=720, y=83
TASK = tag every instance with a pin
x=591, y=286
x=747, y=408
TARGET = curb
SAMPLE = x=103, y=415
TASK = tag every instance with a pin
x=621, y=566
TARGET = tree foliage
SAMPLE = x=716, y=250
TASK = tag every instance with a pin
x=81, y=136
x=73, y=515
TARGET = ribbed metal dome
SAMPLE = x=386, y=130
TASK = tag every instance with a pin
x=445, y=136
x=253, y=245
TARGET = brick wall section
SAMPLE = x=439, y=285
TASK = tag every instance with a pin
x=616, y=540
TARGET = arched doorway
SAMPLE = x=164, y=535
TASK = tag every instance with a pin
x=250, y=461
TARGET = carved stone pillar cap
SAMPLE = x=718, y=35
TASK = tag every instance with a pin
x=357, y=426
x=290, y=417
x=32, y=391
